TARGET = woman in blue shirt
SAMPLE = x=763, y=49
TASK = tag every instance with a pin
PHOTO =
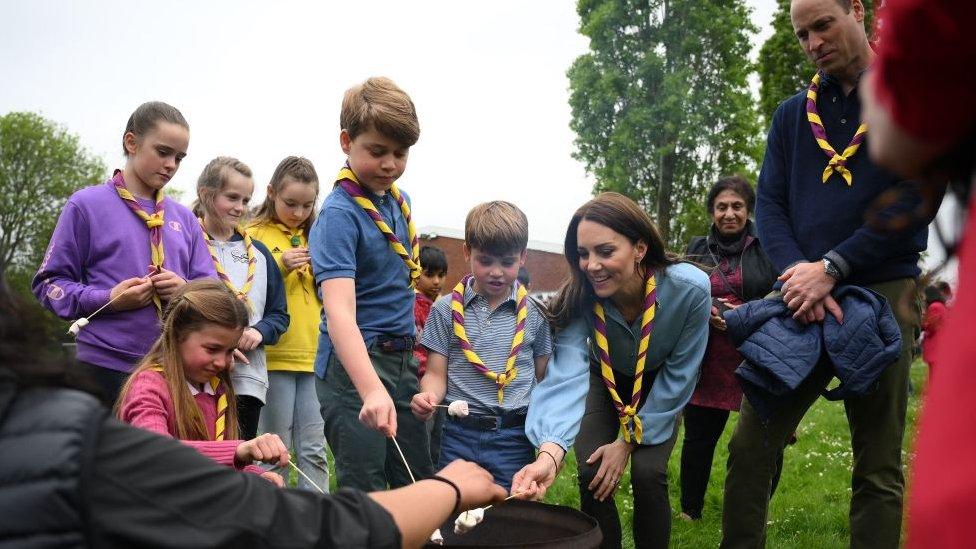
x=631, y=329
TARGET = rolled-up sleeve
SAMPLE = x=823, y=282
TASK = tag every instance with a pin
x=675, y=382
x=559, y=400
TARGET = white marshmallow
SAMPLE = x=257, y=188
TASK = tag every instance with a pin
x=77, y=326
x=458, y=408
x=468, y=520
x=437, y=537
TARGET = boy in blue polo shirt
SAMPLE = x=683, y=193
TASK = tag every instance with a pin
x=364, y=252
x=487, y=344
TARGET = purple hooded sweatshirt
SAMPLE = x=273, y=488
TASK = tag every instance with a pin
x=100, y=242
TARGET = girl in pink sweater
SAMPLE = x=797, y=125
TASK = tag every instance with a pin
x=182, y=387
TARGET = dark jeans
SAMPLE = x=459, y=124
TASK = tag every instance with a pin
x=877, y=423
x=248, y=415
x=703, y=428
x=648, y=475
x=108, y=380
x=364, y=458
x=503, y=452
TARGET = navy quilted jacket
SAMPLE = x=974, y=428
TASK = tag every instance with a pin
x=780, y=352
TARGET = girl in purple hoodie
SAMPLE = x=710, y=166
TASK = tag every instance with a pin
x=124, y=245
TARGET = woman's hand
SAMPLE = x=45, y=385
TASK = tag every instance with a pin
x=477, y=486
x=294, y=258
x=535, y=478
x=273, y=478
x=613, y=459
x=266, y=448
x=716, y=319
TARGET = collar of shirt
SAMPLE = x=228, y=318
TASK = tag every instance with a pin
x=470, y=294
x=207, y=388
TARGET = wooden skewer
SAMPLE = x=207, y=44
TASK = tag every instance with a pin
x=397, y=444
x=304, y=476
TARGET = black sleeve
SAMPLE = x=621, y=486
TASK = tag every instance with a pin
x=275, y=320
x=150, y=491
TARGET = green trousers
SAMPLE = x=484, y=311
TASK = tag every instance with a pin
x=877, y=423
x=364, y=458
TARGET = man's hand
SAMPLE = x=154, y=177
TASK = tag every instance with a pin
x=804, y=286
x=379, y=413
x=250, y=339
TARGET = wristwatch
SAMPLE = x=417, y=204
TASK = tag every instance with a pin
x=831, y=269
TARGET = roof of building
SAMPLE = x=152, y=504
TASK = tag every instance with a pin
x=431, y=232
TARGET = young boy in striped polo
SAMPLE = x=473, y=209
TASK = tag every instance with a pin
x=488, y=344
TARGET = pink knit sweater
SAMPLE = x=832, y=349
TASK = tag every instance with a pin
x=148, y=405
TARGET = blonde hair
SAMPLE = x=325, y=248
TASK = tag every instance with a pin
x=380, y=104
x=212, y=180
x=299, y=169
x=496, y=227
x=195, y=306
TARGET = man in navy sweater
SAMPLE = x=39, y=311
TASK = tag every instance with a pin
x=815, y=188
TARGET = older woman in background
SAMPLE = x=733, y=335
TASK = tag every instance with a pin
x=739, y=272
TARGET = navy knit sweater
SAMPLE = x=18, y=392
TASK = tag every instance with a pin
x=800, y=218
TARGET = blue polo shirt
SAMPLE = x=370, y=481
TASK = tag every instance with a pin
x=801, y=218
x=345, y=243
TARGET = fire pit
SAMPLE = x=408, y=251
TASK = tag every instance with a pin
x=517, y=523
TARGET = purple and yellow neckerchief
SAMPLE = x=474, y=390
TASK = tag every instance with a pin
x=154, y=222
x=349, y=183
x=220, y=422
x=521, y=313
x=627, y=413
x=252, y=262
x=838, y=162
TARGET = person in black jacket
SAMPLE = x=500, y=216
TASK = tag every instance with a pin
x=73, y=476
x=739, y=271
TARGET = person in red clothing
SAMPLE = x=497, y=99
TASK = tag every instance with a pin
x=434, y=264
x=923, y=124
x=182, y=387
x=935, y=311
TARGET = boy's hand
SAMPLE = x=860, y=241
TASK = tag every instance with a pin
x=295, y=258
x=138, y=294
x=250, y=339
x=267, y=448
x=166, y=283
x=423, y=405
x=379, y=413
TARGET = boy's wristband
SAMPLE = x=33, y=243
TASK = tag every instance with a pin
x=552, y=457
x=457, y=493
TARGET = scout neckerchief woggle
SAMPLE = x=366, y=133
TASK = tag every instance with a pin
x=154, y=222
x=252, y=262
x=347, y=180
x=838, y=162
x=457, y=314
x=220, y=422
x=628, y=412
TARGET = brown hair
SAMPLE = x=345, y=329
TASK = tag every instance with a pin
x=297, y=168
x=380, y=104
x=212, y=181
x=623, y=216
x=143, y=120
x=196, y=305
x=496, y=227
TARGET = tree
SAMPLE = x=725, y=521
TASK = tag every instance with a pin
x=660, y=104
x=783, y=67
x=41, y=164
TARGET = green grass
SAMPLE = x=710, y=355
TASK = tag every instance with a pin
x=811, y=504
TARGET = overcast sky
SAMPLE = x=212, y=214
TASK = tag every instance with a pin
x=263, y=80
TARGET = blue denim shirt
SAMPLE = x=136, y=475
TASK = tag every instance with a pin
x=676, y=349
x=345, y=243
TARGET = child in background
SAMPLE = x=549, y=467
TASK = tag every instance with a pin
x=123, y=239
x=434, y=265
x=935, y=312
x=292, y=410
x=247, y=268
x=365, y=251
x=493, y=358
x=182, y=387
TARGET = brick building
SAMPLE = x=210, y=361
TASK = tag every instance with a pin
x=544, y=260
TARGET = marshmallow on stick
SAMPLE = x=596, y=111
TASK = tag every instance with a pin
x=77, y=325
x=468, y=520
x=437, y=537
x=458, y=408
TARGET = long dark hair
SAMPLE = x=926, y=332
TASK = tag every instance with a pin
x=623, y=216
